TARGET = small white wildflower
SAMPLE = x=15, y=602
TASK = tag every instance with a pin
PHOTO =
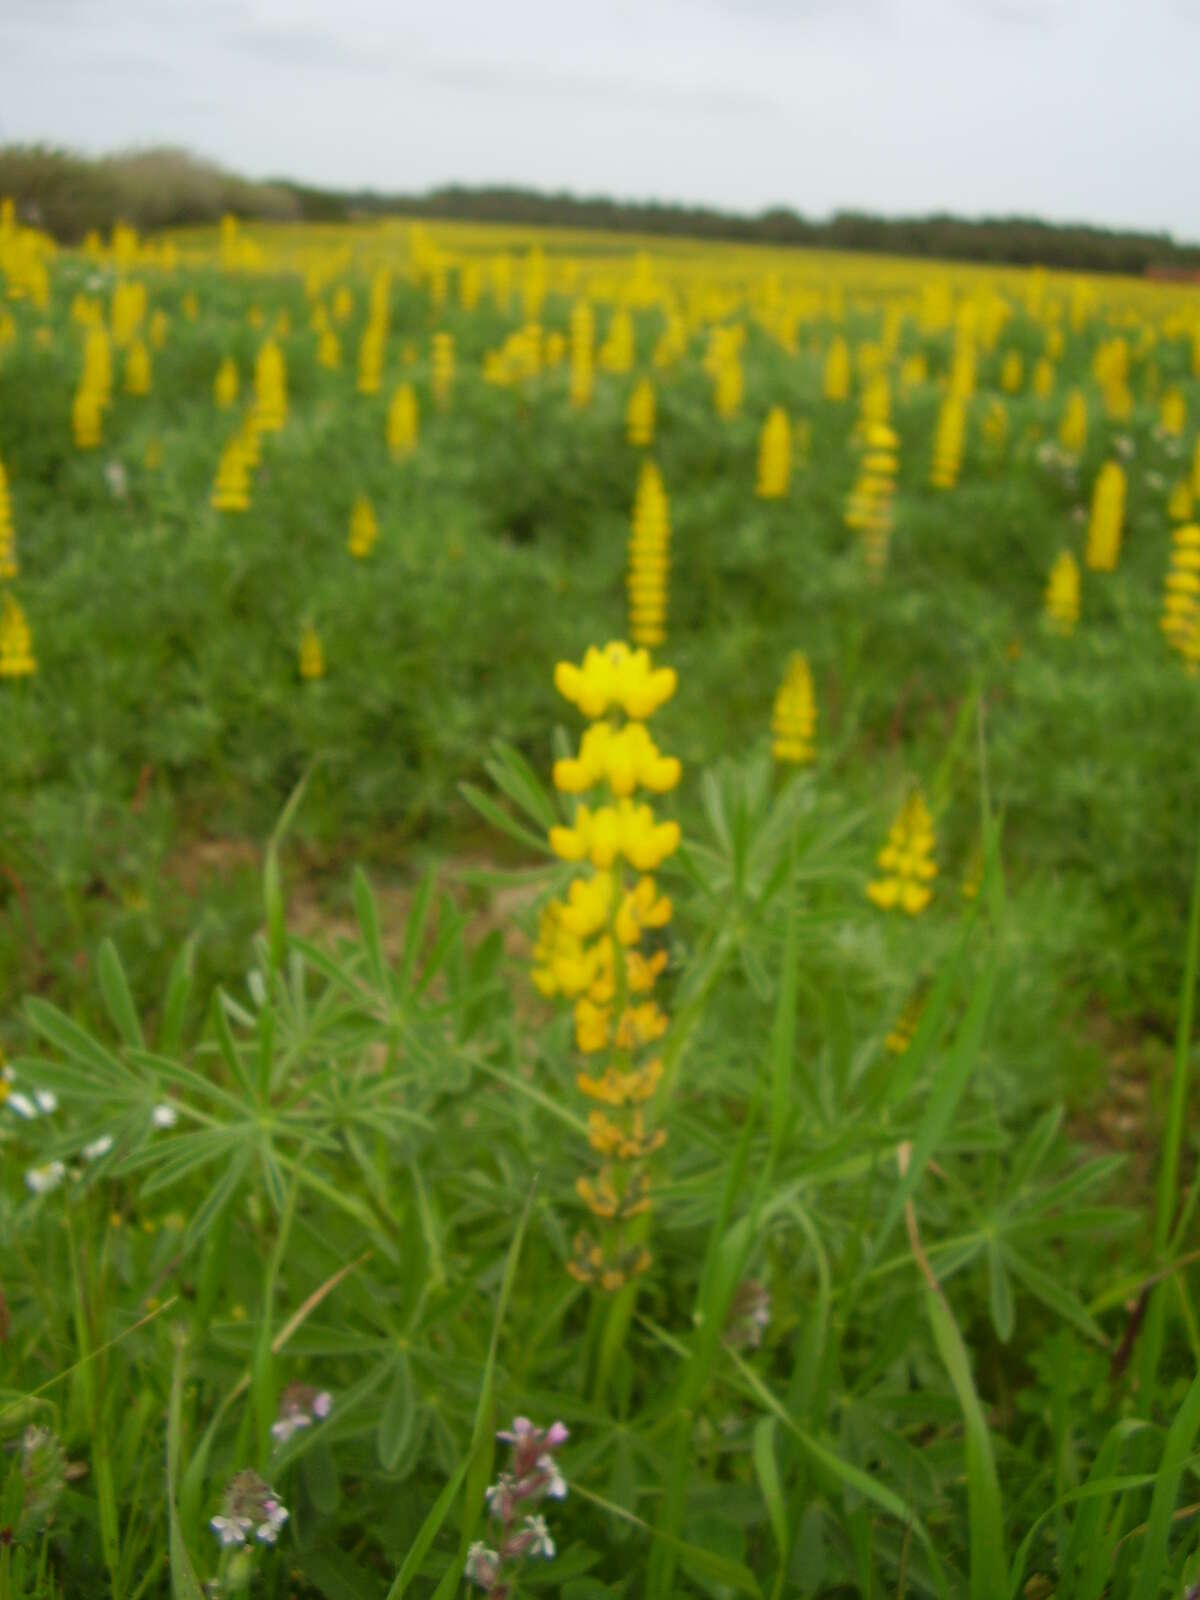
x=276, y=1515
x=47, y=1100
x=322, y=1404
x=543, y=1544
x=556, y=1485
x=482, y=1565
x=230, y=1530
x=118, y=482
x=41, y=1180
x=283, y=1430
x=22, y=1105
x=164, y=1116
x=98, y=1147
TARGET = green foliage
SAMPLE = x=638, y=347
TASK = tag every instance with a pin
x=316, y=1130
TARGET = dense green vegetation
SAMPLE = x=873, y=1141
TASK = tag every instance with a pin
x=918, y=1321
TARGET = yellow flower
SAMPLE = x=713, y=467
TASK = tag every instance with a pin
x=615, y=676
x=774, y=456
x=794, y=718
x=364, y=530
x=17, y=659
x=312, y=655
x=639, y=415
x=609, y=832
x=625, y=759
x=907, y=861
x=1062, y=594
x=642, y=907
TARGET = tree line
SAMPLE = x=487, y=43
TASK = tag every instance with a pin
x=69, y=194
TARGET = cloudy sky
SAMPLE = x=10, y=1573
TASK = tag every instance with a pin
x=1071, y=109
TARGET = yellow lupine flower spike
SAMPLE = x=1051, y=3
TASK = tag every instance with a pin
x=907, y=861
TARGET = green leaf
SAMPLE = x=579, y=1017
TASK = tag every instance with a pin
x=484, y=1418
x=1152, y=1565
x=499, y=818
x=397, y=1417
x=179, y=988
x=368, y=921
x=947, y=1091
x=1000, y=1298
x=985, y=1514
x=766, y=1469
x=118, y=1001
x=185, y=1585
x=512, y=774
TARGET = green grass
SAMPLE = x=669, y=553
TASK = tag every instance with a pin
x=978, y=1375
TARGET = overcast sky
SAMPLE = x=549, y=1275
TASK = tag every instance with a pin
x=1070, y=109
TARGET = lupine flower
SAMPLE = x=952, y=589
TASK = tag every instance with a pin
x=587, y=947
x=617, y=353
x=518, y=1532
x=1108, y=515
x=1172, y=418
x=8, y=546
x=582, y=335
x=900, y=1035
x=835, y=380
x=443, y=369
x=1062, y=594
x=639, y=415
x=225, y=385
x=270, y=388
x=649, y=559
x=17, y=659
x=1012, y=371
x=774, y=456
x=907, y=861
x=869, y=504
x=794, y=717
x=948, y=442
x=1180, y=620
x=1072, y=430
x=402, y=423
x=137, y=369
x=1180, y=503
x=231, y=491
x=364, y=530
x=312, y=653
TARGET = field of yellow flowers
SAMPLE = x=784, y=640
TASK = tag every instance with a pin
x=601, y=833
